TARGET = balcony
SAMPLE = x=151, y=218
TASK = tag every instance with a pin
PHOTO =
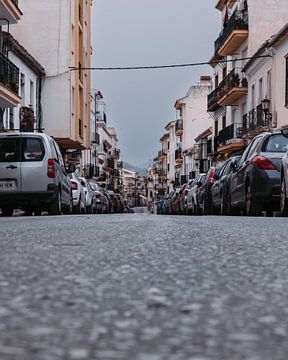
x=231, y=89
x=9, y=12
x=162, y=173
x=162, y=154
x=101, y=118
x=95, y=138
x=179, y=127
x=109, y=165
x=255, y=122
x=9, y=83
x=230, y=139
x=233, y=35
x=178, y=156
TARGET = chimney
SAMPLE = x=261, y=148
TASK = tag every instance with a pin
x=205, y=80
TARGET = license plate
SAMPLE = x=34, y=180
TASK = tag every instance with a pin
x=7, y=185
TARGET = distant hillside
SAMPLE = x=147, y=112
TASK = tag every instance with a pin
x=140, y=171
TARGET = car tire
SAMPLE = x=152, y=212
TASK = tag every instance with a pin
x=223, y=206
x=69, y=209
x=55, y=207
x=252, y=208
x=283, y=199
x=77, y=208
x=7, y=212
x=89, y=209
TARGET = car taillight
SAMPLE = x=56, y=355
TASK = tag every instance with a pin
x=98, y=196
x=186, y=192
x=74, y=186
x=51, y=169
x=211, y=177
x=263, y=163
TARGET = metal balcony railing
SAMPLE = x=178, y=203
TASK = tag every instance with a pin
x=179, y=125
x=230, y=132
x=216, y=143
x=110, y=163
x=161, y=153
x=9, y=73
x=237, y=21
x=178, y=154
x=95, y=138
x=235, y=79
x=254, y=121
x=101, y=116
x=162, y=172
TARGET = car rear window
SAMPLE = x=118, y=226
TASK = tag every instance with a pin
x=32, y=149
x=276, y=144
x=9, y=150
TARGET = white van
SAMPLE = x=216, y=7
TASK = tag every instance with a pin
x=33, y=177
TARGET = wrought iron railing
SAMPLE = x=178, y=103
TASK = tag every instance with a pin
x=9, y=73
x=234, y=79
x=230, y=132
x=237, y=21
x=179, y=125
x=178, y=154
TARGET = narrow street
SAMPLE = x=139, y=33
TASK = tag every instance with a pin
x=143, y=287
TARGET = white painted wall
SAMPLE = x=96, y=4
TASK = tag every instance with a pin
x=30, y=75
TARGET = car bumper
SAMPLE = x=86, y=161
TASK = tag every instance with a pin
x=22, y=199
x=266, y=186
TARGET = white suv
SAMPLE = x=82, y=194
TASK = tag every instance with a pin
x=33, y=176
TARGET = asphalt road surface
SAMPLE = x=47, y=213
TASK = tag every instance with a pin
x=143, y=287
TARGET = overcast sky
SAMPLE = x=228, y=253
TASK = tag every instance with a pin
x=149, y=32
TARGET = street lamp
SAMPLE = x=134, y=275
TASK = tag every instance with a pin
x=266, y=107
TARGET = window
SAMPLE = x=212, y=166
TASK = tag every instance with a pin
x=260, y=91
x=32, y=149
x=276, y=144
x=216, y=127
x=22, y=79
x=223, y=121
x=11, y=118
x=268, y=92
x=31, y=94
x=252, y=97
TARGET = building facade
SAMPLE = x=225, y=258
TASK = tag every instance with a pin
x=65, y=49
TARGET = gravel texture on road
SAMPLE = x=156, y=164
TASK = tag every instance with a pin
x=143, y=287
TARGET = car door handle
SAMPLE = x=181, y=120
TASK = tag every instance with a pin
x=11, y=167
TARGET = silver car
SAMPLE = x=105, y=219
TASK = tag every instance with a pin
x=89, y=195
x=79, y=198
x=33, y=177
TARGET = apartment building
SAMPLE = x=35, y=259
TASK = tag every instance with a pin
x=245, y=26
x=10, y=13
x=163, y=162
x=192, y=123
x=27, y=115
x=64, y=29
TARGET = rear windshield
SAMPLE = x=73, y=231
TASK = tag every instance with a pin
x=276, y=144
x=21, y=149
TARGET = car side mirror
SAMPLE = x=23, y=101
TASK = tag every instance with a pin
x=71, y=168
x=285, y=132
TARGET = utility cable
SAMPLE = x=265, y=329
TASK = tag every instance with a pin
x=153, y=67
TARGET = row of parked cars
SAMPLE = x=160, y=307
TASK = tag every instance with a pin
x=253, y=182
x=34, y=179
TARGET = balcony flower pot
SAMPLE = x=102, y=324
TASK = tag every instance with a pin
x=244, y=82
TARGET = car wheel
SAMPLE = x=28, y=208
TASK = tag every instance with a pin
x=28, y=212
x=69, y=208
x=283, y=199
x=55, y=207
x=252, y=208
x=7, y=212
x=37, y=212
x=77, y=208
x=89, y=209
x=223, y=208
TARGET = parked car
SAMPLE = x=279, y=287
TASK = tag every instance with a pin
x=121, y=202
x=33, y=176
x=255, y=183
x=211, y=176
x=89, y=195
x=220, y=188
x=79, y=198
x=100, y=201
x=183, y=199
x=116, y=203
x=284, y=180
x=110, y=201
x=193, y=195
x=174, y=203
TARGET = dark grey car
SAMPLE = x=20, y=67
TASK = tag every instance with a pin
x=255, y=183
